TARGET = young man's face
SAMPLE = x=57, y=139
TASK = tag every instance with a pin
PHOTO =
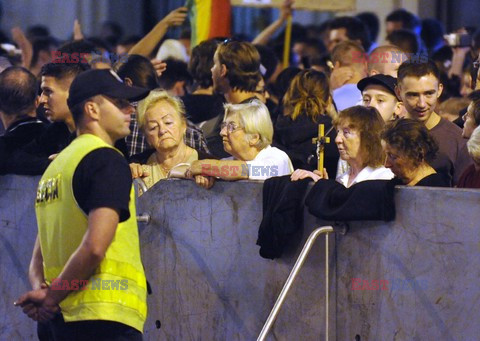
x=54, y=98
x=335, y=37
x=420, y=95
x=218, y=75
x=114, y=116
x=384, y=101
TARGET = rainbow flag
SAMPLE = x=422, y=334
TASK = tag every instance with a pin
x=209, y=19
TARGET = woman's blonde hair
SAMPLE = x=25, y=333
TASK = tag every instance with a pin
x=308, y=94
x=254, y=117
x=155, y=97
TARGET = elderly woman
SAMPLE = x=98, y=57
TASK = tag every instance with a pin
x=247, y=133
x=409, y=147
x=162, y=119
x=471, y=177
x=358, y=140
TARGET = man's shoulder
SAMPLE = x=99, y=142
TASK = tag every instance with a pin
x=104, y=156
x=447, y=128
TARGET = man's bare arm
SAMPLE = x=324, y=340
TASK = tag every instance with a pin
x=146, y=45
x=102, y=225
x=35, y=271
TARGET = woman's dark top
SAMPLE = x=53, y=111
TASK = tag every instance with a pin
x=470, y=178
x=433, y=180
x=294, y=137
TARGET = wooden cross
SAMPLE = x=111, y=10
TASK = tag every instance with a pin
x=320, y=141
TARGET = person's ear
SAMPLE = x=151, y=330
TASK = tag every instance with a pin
x=397, y=91
x=399, y=110
x=440, y=90
x=128, y=81
x=253, y=140
x=92, y=110
x=223, y=70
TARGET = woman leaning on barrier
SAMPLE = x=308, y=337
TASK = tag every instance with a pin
x=358, y=140
x=471, y=177
x=162, y=119
x=409, y=148
x=246, y=132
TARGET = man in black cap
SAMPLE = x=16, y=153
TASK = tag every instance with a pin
x=86, y=272
x=378, y=91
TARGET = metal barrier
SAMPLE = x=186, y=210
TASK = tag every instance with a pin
x=293, y=274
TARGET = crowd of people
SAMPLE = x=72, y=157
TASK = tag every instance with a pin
x=228, y=110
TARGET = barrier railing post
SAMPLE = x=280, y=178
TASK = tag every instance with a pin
x=293, y=274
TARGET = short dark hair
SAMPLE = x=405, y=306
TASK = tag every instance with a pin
x=176, y=71
x=410, y=69
x=243, y=64
x=18, y=91
x=475, y=98
x=405, y=39
x=201, y=63
x=41, y=44
x=63, y=70
x=355, y=29
x=269, y=60
x=140, y=71
x=409, y=20
x=78, y=46
x=372, y=23
x=412, y=139
x=77, y=111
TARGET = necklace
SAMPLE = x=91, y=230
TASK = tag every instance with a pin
x=167, y=169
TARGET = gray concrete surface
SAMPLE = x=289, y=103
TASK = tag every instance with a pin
x=209, y=282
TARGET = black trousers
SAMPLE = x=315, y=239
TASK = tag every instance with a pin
x=59, y=330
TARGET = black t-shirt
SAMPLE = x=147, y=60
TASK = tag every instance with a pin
x=103, y=179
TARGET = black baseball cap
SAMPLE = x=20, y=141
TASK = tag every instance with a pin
x=386, y=81
x=102, y=82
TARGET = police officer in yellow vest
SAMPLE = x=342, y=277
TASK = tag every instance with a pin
x=86, y=272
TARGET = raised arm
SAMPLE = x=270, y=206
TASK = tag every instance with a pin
x=285, y=11
x=146, y=45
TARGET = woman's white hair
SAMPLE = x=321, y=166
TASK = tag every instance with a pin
x=254, y=117
x=473, y=145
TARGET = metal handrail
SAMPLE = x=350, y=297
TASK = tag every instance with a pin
x=293, y=274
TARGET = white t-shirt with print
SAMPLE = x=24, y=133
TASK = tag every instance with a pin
x=269, y=162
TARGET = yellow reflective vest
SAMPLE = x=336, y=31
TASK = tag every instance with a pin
x=117, y=290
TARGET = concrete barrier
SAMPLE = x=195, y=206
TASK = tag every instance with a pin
x=209, y=283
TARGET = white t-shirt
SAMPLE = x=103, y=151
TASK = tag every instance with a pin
x=269, y=162
x=368, y=173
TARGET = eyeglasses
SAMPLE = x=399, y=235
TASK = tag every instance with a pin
x=231, y=127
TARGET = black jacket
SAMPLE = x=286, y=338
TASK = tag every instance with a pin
x=294, y=137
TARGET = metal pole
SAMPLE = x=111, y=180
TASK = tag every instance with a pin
x=293, y=274
x=327, y=286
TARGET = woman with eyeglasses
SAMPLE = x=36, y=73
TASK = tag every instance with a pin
x=247, y=133
x=359, y=130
